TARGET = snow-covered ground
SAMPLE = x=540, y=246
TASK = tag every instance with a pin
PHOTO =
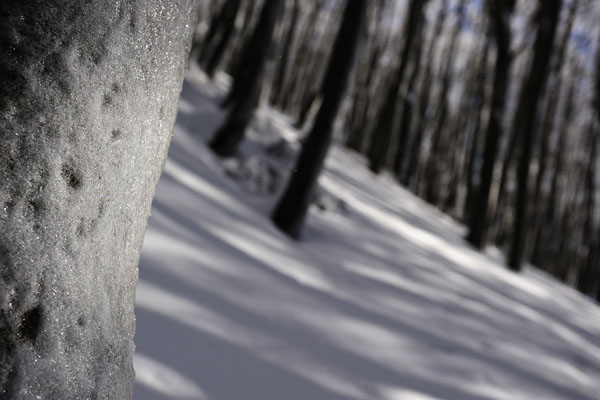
x=381, y=300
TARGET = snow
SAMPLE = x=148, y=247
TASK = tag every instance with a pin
x=87, y=105
x=381, y=300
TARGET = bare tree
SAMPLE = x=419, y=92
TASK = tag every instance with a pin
x=548, y=17
x=499, y=17
x=291, y=209
x=244, y=94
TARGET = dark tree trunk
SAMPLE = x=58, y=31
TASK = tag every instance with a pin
x=384, y=123
x=292, y=207
x=213, y=59
x=408, y=103
x=309, y=85
x=357, y=137
x=549, y=220
x=554, y=94
x=305, y=108
x=549, y=12
x=280, y=74
x=302, y=56
x=233, y=56
x=88, y=97
x=218, y=36
x=363, y=92
x=408, y=178
x=436, y=160
x=475, y=131
x=589, y=279
x=245, y=90
x=500, y=12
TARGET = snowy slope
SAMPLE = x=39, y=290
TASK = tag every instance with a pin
x=381, y=300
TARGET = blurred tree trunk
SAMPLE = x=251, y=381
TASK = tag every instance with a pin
x=302, y=55
x=245, y=89
x=219, y=36
x=234, y=53
x=548, y=17
x=408, y=103
x=358, y=118
x=545, y=250
x=282, y=67
x=291, y=209
x=309, y=84
x=88, y=98
x=554, y=94
x=588, y=279
x=499, y=19
x=435, y=163
x=384, y=123
x=409, y=177
x=479, y=99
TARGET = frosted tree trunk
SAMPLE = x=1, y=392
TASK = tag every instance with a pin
x=88, y=97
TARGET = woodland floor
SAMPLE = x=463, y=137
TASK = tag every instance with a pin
x=381, y=299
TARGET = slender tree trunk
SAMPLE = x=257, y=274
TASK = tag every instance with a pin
x=409, y=177
x=475, y=132
x=245, y=90
x=549, y=12
x=213, y=59
x=500, y=13
x=547, y=127
x=280, y=74
x=408, y=103
x=293, y=205
x=358, y=118
x=302, y=55
x=546, y=229
x=436, y=157
x=218, y=36
x=588, y=281
x=88, y=97
x=384, y=125
x=233, y=57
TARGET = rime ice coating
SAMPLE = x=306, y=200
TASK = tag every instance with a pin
x=88, y=94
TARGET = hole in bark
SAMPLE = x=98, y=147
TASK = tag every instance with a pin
x=81, y=321
x=81, y=228
x=36, y=206
x=132, y=22
x=107, y=100
x=72, y=177
x=29, y=328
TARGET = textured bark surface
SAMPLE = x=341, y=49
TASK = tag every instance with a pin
x=88, y=98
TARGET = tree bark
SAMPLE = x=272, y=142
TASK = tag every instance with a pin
x=292, y=207
x=88, y=98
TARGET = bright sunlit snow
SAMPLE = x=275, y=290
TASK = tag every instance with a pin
x=381, y=300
